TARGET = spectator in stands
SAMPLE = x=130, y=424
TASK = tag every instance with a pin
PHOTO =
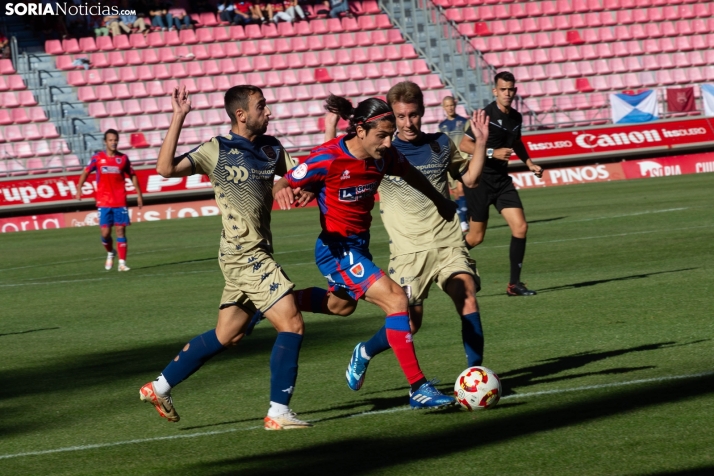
x=226, y=11
x=338, y=7
x=262, y=11
x=180, y=19
x=99, y=26
x=292, y=10
x=130, y=23
x=244, y=13
x=4, y=47
x=159, y=15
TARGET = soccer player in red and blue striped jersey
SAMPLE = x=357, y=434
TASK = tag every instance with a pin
x=345, y=174
x=112, y=167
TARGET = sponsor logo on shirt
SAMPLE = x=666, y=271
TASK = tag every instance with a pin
x=110, y=169
x=236, y=174
x=352, y=194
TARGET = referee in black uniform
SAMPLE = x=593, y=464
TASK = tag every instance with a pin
x=495, y=186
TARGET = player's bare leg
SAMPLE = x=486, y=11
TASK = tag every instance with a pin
x=462, y=290
x=107, y=242
x=121, y=247
x=476, y=234
x=516, y=220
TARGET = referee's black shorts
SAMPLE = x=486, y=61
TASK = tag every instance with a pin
x=491, y=190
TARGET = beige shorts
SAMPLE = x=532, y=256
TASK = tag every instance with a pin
x=415, y=272
x=253, y=281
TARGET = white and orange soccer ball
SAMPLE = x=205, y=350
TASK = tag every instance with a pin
x=477, y=388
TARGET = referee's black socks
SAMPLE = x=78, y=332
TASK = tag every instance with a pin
x=517, y=252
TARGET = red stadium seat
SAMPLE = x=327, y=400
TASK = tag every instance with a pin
x=104, y=43
x=200, y=52
x=171, y=38
x=54, y=47
x=121, y=42
x=88, y=45
x=269, y=30
x=37, y=114
x=26, y=98
x=583, y=85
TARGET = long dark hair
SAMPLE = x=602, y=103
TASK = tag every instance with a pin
x=367, y=114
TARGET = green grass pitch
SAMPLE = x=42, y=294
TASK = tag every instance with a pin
x=607, y=371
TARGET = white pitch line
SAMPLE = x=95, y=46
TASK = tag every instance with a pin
x=369, y=413
x=128, y=442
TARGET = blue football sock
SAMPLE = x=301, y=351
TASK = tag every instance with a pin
x=284, y=366
x=472, y=336
x=378, y=343
x=196, y=353
x=461, y=211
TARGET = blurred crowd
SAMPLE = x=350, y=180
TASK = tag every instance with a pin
x=158, y=15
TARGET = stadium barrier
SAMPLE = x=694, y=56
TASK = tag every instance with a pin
x=634, y=169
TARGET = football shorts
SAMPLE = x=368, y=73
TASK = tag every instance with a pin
x=347, y=263
x=415, y=272
x=114, y=216
x=491, y=191
x=253, y=281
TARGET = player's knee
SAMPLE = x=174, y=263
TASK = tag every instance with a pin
x=398, y=301
x=341, y=308
x=520, y=229
x=474, y=238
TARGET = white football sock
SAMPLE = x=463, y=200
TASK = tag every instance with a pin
x=161, y=386
x=277, y=409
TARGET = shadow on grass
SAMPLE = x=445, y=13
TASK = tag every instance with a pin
x=161, y=265
x=585, y=284
x=545, y=368
x=371, y=453
x=29, y=331
x=702, y=470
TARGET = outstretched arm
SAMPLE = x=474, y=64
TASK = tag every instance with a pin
x=416, y=179
x=167, y=165
x=287, y=196
x=479, y=129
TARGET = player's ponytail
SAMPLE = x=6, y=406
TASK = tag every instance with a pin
x=367, y=114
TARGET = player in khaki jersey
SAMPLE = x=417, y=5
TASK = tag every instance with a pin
x=425, y=248
x=241, y=165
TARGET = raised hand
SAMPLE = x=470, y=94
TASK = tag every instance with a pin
x=479, y=125
x=180, y=101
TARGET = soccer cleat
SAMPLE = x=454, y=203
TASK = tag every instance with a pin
x=286, y=421
x=428, y=396
x=519, y=289
x=163, y=403
x=123, y=267
x=109, y=263
x=356, y=369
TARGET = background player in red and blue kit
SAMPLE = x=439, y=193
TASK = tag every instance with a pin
x=111, y=167
x=345, y=173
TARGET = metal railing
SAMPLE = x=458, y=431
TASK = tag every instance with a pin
x=451, y=54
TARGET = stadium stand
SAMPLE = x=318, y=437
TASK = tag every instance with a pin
x=567, y=53
x=126, y=86
x=568, y=56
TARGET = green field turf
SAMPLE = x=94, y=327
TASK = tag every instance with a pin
x=608, y=370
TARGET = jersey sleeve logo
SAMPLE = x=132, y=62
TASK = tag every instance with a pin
x=300, y=172
x=269, y=152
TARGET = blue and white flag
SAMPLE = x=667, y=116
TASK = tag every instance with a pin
x=627, y=109
x=708, y=99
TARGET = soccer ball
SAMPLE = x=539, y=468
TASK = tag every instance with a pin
x=477, y=388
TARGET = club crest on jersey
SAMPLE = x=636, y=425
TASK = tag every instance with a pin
x=435, y=147
x=118, y=159
x=300, y=171
x=345, y=175
x=269, y=152
x=357, y=270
